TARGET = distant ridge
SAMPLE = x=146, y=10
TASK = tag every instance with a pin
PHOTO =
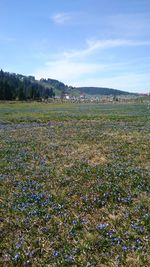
x=58, y=87
x=17, y=86
x=102, y=91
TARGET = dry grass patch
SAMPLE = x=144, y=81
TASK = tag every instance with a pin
x=92, y=154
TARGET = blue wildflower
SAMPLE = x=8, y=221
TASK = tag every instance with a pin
x=16, y=257
x=102, y=226
x=55, y=253
x=71, y=258
x=124, y=248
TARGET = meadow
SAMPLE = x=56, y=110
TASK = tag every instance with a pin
x=75, y=184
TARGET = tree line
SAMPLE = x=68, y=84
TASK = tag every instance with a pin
x=19, y=87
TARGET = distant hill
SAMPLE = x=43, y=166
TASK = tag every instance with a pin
x=60, y=87
x=17, y=86
x=101, y=91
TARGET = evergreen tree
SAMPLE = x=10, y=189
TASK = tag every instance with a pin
x=8, y=92
x=2, y=92
x=21, y=94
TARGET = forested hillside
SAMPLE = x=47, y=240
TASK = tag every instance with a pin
x=16, y=86
x=20, y=87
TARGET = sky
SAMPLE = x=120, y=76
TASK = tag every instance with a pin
x=103, y=43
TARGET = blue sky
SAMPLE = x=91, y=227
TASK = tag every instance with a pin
x=79, y=42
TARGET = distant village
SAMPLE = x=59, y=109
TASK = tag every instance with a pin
x=66, y=97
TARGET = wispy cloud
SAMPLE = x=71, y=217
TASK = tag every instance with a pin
x=61, y=18
x=116, y=25
x=75, y=67
x=66, y=70
x=88, y=74
x=70, y=70
x=93, y=45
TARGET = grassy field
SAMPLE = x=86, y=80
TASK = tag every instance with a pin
x=75, y=184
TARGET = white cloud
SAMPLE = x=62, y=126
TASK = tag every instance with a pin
x=66, y=70
x=75, y=68
x=61, y=18
x=93, y=45
x=88, y=74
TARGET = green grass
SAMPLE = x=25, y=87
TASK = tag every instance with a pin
x=75, y=184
